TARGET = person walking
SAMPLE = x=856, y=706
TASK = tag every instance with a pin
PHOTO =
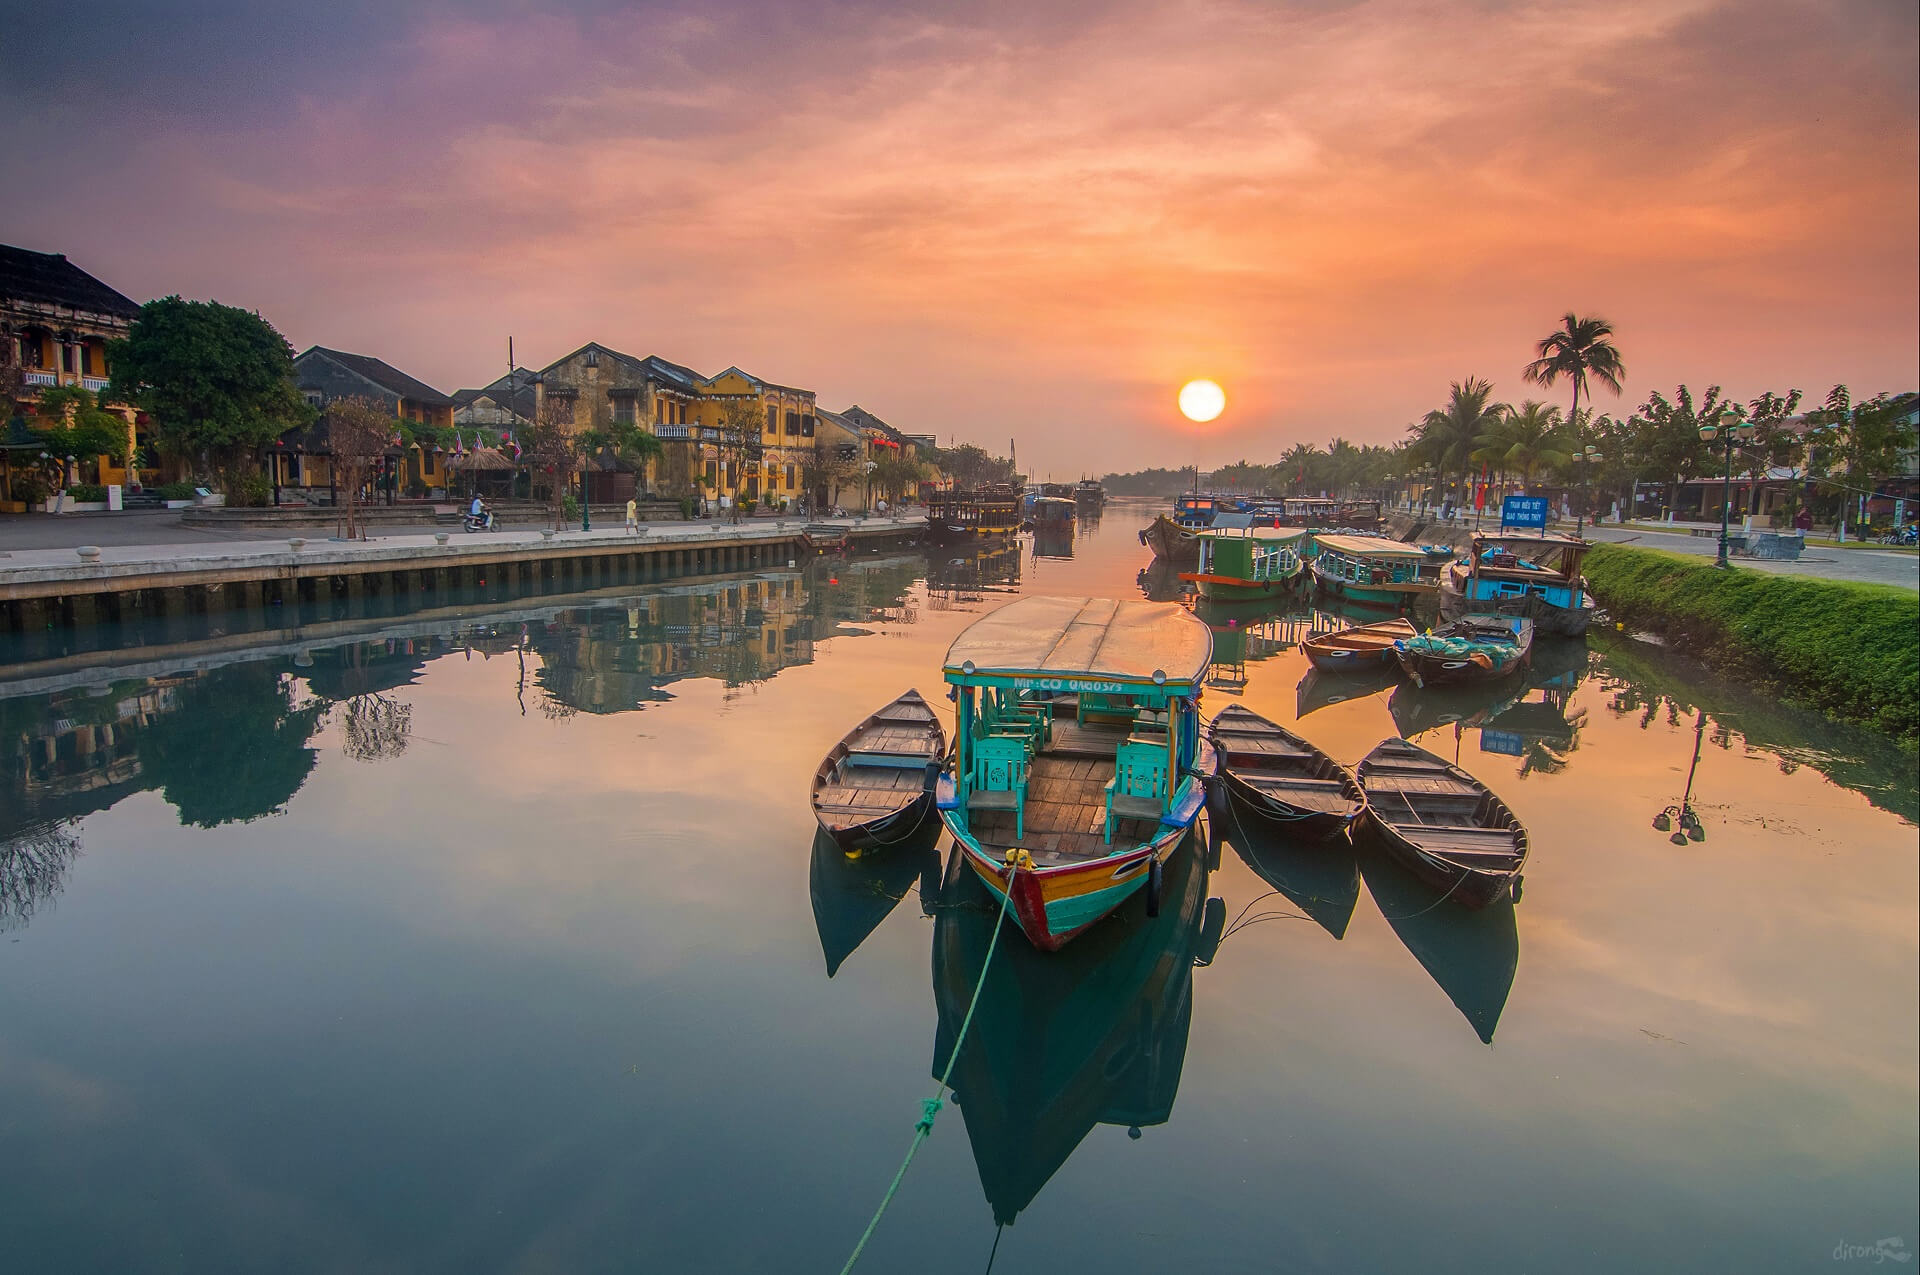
x=633, y=515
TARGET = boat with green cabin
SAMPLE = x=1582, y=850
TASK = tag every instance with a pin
x=1375, y=570
x=1239, y=562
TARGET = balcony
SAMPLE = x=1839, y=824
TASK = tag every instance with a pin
x=672, y=431
x=95, y=383
x=32, y=377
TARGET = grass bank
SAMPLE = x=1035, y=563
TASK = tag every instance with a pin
x=1850, y=650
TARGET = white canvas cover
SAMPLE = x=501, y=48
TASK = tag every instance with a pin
x=1369, y=547
x=1085, y=638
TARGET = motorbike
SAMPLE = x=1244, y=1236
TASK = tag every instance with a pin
x=477, y=522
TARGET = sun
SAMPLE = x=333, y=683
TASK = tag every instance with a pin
x=1202, y=400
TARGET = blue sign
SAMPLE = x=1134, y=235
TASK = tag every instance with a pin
x=1504, y=742
x=1524, y=511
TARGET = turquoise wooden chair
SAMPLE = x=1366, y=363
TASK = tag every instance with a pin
x=1139, y=787
x=998, y=778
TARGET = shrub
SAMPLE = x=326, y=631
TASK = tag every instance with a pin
x=175, y=491
x=1850, y=650
x=86, y=493
x=30, y=487
x=569, y=508
x=686, y=508
x=249, y=490
x=748, y=506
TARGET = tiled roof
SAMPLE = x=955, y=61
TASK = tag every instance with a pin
x=50, y=279
x=383, y=374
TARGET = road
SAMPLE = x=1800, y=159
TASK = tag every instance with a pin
x=1899, y=567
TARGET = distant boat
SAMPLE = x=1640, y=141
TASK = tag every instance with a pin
x=1471, y=955
x=851, y=897
x=1240, y=562
x=1444, y=825
x=1375, y=570
x=1283, y=779
x=875, y=785
x=1535, y=575
x=1090, y=494
x=1360, y=647
x=1477, y=648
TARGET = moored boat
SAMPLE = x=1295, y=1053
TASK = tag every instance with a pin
x=988, y=513
x=1171, y=543
x=1078, y=765
x=1477, y=648
x=1442, y=824
x=1363, y=646
x=1282, y=777
x=1535, y=575
x=1239, y=561
x=1374, y=570
x=873, y=787
x=1090, y=495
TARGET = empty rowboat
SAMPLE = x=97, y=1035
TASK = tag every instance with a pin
x=1284, y=778
x=1442, y=824
x=876, y=785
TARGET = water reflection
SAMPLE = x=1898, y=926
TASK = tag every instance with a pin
x=34, y=861
x=1471, y=954
x=1094, y=1034
x=962, y=582
x=1321, y=878
x=851, y=897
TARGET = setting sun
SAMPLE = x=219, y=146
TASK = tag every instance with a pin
x=1202, y=400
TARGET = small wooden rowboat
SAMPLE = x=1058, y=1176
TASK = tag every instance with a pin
x=1283, y=777
x=1360, y=647
x=875, y=786
x=1444, y=825
x=1479, y=648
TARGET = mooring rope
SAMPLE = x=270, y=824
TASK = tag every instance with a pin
x=930, y=1107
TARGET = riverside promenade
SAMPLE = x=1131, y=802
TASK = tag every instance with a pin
x=88, y=582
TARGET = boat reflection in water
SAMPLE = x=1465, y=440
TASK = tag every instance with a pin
x=851, y=897
x=1527, y=715
x=1471, y=953
x=1244, y=632
x=960, y=580
x=1319, y=688
x=1095, y=1033
x=1053, y=539
x=1321, y=878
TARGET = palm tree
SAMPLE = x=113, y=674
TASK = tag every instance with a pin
x=1450, y=435
x=1582, y=348
x=1528, y=437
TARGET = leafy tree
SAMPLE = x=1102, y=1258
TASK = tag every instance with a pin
x=1452, y=434
x=1867, y=441
x=217, y=382
x=970, y=466
x=826, y=469
x=1664, y=436
x=625, y=441
x=1528, y=438
x=235, y=746
x=555, y=452
x=1774, y=442
x=741, y=445
x=74, y=422
x=1581, y=349
x=895, y=475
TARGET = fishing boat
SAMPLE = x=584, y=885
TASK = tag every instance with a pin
x=1282, y=777
x=1239, y=561
x=1535, y=575
x=1374, y=570
x=1364, y=646
x=958, y=516
x=1442, y=824
x=1053, y=512
x=1090, y=495
x=873, y=787
x=1477, y=648
x=1078, y=766
x=1171, y=543
x=851, y=897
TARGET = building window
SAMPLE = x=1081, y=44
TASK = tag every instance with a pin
x=806, y=425
x=593, y=358
x=623, y=411
x=773, y=420
x=314, y=398
x=789, y=476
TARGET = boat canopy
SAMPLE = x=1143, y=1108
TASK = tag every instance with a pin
x=1370, y=547
x=1083, y=644
x=1237, y=527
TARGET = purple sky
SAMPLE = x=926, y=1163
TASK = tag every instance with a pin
x=1008, y=220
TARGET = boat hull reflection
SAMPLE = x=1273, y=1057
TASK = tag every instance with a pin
x=1471, y=953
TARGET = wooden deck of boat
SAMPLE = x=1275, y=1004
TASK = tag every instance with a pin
x=867, y=792
x=1066, y=813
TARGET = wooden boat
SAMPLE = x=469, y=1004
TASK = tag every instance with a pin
x=1375, y=570
x=1171, y=542
x=1078, y=765
x=852, y=896
x=955, y=517
x=1479, y=648
x=873, y=787
x=1283, y=778
x=1240, y=562
x=1361, y=647
x=1471, y=956
x=1444, y=825
x=1535, y=575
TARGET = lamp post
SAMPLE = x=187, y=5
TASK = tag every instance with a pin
x=1731, y=429
x=1586, y=456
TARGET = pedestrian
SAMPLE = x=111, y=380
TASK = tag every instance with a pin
x=633, y=515
x=1803, y=520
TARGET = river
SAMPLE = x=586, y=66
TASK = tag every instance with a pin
x=496, y=938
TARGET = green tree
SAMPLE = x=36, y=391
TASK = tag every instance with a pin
x=234, y=747
x=1664, y=437
x=622, y=441
x=75, y=423
x=1527, y=439
x=217, y=382
x=1867, y=441
x=1582, y=349
x=1452, y=434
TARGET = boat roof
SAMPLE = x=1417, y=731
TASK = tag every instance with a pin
x=1083, y=638
x=1369, y=547
x=1240, y=528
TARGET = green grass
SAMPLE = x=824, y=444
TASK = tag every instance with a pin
x=1849, y=650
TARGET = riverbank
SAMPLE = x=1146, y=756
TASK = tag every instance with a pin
x=1850, y=650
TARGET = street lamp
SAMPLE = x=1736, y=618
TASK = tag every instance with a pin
x=1731, y=429
x=1586, y=457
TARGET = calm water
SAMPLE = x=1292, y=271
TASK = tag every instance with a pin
x=498, y=941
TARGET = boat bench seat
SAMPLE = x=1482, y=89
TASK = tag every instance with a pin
x=901, y=761
x=1301, y=783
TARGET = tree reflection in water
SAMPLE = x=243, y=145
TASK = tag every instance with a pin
x=33, y=869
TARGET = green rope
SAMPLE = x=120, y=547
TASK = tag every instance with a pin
x=930, y=1107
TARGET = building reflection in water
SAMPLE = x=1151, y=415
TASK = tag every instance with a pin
x=961, y=582
x=1093, y=1034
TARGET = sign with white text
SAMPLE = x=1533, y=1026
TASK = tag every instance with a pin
x=1524, y=511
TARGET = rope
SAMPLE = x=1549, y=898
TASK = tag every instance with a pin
x=930, y=1107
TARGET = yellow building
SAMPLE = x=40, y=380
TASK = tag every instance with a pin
x=787, y=420
x=324, y=375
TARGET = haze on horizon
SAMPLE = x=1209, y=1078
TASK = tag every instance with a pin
x=1000, y=220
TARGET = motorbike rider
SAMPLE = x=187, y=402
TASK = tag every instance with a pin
x=479, y=512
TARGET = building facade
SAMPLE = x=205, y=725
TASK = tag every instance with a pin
x=324, y=375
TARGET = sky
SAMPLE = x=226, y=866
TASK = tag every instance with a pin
x=1008, y=220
